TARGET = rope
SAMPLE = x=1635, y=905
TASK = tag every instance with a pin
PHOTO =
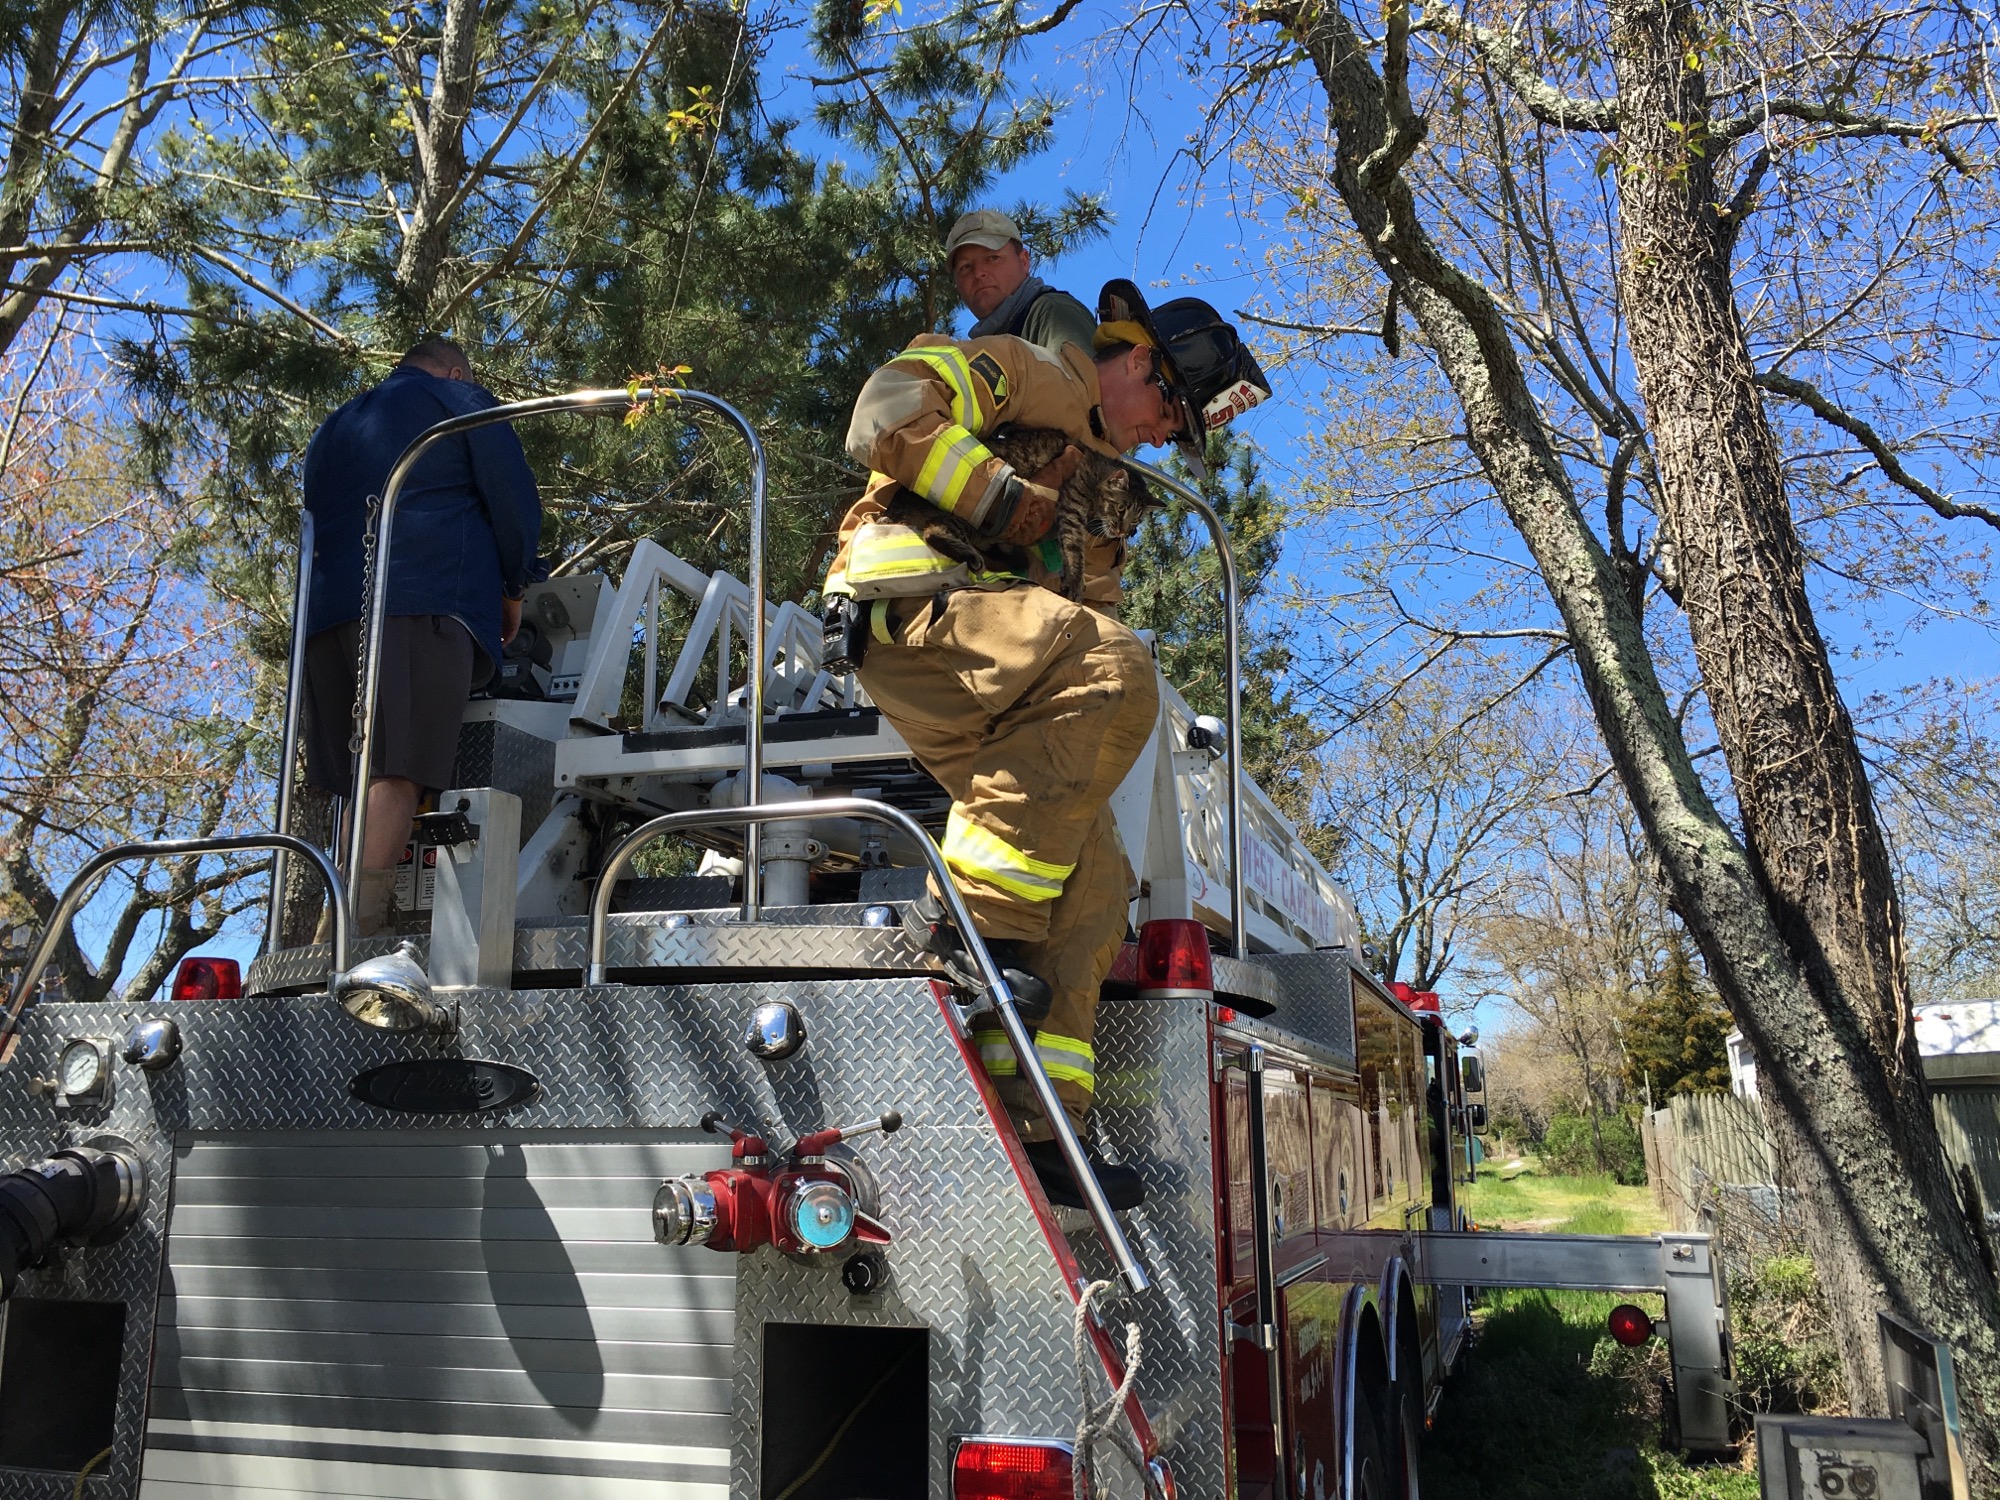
x=1099, y=1420
x=84, y=1473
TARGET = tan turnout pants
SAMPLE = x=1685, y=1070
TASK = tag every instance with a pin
x=1029, y=710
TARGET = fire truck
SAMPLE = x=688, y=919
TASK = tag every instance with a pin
x=611, y=1177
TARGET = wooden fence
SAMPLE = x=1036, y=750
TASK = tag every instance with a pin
x=1712, y=1169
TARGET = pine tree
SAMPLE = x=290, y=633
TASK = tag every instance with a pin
x=1675, y=1035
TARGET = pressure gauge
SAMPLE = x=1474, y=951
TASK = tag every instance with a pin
x=83, y=1070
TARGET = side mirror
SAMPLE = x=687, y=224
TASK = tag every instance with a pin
x=1472, y=1074
x=1475, y=1119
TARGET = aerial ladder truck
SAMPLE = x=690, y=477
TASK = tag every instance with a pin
x=601, y=1183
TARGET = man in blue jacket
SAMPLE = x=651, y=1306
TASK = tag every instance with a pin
x=461, y=555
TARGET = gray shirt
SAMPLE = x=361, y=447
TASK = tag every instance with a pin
x=1056, y=319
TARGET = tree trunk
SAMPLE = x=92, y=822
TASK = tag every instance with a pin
x=1876, y=1199
x=305, y=892
x=1848, y=1108
x=438, y=142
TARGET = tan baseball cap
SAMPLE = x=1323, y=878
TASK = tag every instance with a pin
x=983, y=226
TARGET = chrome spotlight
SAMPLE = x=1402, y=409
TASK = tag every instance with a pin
x=392, y=993
x=776, y=1031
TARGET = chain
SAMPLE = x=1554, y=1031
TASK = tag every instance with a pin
x=369, y=530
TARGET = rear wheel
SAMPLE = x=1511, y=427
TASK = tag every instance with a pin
x=1404, y=1436
x=1372, y=1475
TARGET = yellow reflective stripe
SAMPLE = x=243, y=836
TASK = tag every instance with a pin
x=957, y=372
x=996, y=1053
x=1067, y=1059
x=971, y=850
x=901, y=556
x=954, y=458
x=878, y=620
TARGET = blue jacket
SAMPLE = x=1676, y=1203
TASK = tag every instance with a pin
x=468, y=522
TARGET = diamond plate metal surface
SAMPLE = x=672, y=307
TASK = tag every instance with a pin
x=969, y=1262
x=1315, y=1000
x=1248, y=979
x=126, y=1271
x=717, y=941
x=815, y=939
x=511, y=759
x=1153, y=1110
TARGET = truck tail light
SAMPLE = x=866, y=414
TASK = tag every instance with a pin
x=1173, y=955
x=1629, y=1325
x=207, y=979
x=1011, y=1469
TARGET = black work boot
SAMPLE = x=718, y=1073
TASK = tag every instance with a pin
x=930, y=927
x=1123, y=1187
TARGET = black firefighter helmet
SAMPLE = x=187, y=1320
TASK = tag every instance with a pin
x=1213, y=376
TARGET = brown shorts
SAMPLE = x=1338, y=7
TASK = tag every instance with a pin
x=426, y=678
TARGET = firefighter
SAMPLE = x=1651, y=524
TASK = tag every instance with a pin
x=1027, y=708
x=992, y=271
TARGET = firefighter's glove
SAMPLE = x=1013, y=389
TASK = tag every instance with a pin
x=1031, y=507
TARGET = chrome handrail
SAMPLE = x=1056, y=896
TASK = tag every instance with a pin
x=288, y=752
x=363, y=742
x=83, y=884
x=1239, y=911
x=1101, y=1215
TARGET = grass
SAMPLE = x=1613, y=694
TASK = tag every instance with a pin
x=1548, y=1406
x=1515, y=1195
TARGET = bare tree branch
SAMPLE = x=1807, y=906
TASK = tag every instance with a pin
x=1810, y=397
x=1538, y=96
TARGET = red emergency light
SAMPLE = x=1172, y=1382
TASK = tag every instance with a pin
x=1174, y=955
x=1629, y=1325
x=207, y=979
x=1416, y=999
x=1012, y=1469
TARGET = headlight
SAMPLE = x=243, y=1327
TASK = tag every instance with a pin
x=820, y=1214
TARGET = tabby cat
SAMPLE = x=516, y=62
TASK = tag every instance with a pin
x=1102, y=499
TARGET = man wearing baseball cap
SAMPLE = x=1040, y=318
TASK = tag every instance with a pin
x=1028, y=709
x=991, y=268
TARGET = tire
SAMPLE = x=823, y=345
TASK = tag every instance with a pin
x=1404, y=1442
x=1372, y=1476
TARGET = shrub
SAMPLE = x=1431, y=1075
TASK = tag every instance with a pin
x=1571, y=1147
x=1786, y=1357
